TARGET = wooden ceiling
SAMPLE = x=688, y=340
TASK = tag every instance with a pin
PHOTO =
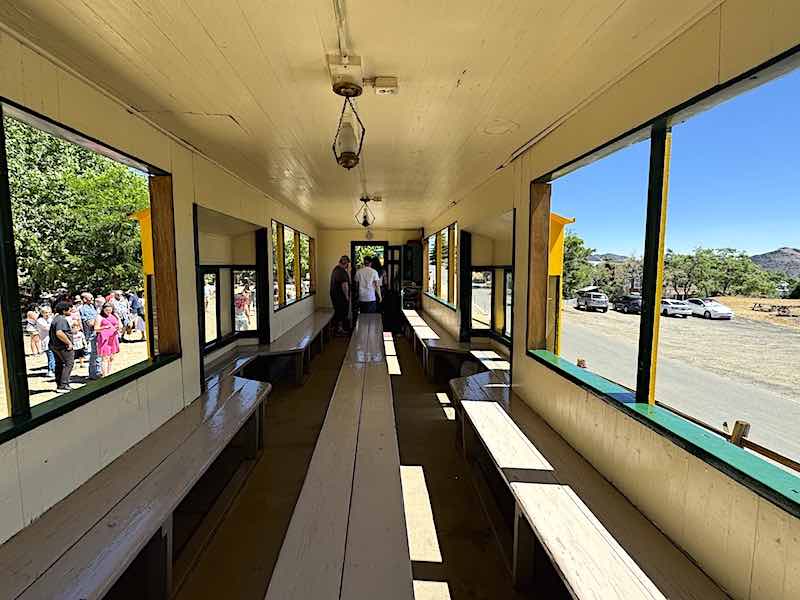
x=246, y=82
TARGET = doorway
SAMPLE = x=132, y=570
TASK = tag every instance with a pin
x=358, y=251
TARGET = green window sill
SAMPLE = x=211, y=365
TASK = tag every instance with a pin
x=440, y=301
x=767, y=480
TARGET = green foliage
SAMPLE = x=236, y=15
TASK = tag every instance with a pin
x=71, y=215
x=367, y=250
x=618, y=279
x=717, y=272
x=577, y=270
x=795, y=293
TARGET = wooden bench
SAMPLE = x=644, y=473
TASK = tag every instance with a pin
x=296, y=342
x=347, y=536
x=570, y=533
x=82, y=545
x=432, y=339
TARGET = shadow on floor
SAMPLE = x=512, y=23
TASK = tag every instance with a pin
x=471, y=563
x=239, y=560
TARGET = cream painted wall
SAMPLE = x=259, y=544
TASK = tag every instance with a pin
x=214, y=249
x=502, y=252
x=243, y=249
x=482, y=250
x=42, y=466
x=745, y=543
x=333, y=243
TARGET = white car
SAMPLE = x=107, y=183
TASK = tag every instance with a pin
x=708, y=308
x=675, y=308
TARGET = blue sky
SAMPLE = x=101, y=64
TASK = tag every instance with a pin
x=735, y=180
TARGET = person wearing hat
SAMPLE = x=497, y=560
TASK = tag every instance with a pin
x=340, y=294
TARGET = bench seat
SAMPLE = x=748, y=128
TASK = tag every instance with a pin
x=80, y=547
x=296, y=342
x=347, y=535
x=432, y=338
x=572, y=530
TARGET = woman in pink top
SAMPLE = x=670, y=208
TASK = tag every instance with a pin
x=108, y=328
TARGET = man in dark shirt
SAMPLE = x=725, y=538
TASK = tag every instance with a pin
x=61, y=345
x=340, y=294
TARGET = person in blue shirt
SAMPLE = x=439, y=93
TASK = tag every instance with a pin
x=88, y=314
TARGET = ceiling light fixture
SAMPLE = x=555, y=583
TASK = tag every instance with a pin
x=347, y=145
x=364, y=216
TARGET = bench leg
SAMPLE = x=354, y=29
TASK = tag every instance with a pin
x=159, y=563
x=468, y=441
x=524, y=549
x=298, y=367
x=248, y=440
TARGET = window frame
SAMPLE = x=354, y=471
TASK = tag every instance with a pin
x=451, y=301
x=221, y=339
x=279, y=253
x=495, y=331
x=751, y=470
x=24, y=417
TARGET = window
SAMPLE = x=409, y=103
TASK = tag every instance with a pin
x=305, y=265
x=442, y=261
x=481, y=311
x=210, y=307
x=80, y=223
x=431, y=246
x=725, y=333
x=598, y=322
x=244, y=300
x=508, y=295
x=445, y=262
x=293, y=265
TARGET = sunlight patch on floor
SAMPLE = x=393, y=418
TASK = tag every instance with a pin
x=446, y=406
x=431, y=590
x=423, y=543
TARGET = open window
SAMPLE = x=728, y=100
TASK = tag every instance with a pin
x=491, y=278
x=441, y=256
x=89, y=292
x=293, y=265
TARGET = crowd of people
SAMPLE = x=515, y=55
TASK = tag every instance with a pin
x=84, y=327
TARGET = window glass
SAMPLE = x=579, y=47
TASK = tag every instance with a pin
x=210, y=306
x=730, y=352
x=275, y=264
x=244, y=300
x=482, y=282
x=305, y=267
x=602, y=265
x=509, y=292
x=432, y=264
x=77, y=222
x=288, y=260
x=445, y=241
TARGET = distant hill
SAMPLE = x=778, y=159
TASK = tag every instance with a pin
x=607, y=257
x=782, y=260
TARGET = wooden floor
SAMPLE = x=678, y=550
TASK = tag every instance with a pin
x=239, y=560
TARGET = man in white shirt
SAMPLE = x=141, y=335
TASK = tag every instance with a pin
x=369, y=287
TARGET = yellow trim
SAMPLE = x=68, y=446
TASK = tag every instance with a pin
x=312, y=262
x=4, y=368
x=555, y=265
x=438, y=279
x=651, y=393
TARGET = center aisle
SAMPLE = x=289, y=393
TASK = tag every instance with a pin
x=455, y=555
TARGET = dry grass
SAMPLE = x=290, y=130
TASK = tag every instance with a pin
x=743, y=307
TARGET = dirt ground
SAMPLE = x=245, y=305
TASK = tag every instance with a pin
x=42, y=388
x=743, y=307
x=754, y=350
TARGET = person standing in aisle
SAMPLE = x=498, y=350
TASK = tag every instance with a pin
x=368, y=284
x=340, y=294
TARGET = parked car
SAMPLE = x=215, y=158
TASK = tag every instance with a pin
x=631, y=303
x=675, y=308
x=592, y=301
x=708, y=308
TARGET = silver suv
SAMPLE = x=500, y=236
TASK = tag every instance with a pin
x=592, y=301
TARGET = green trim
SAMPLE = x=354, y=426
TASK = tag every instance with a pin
x=769, y=481
x=440, y=301
x=60, y=405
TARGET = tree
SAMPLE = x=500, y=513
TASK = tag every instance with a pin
x=577, y=270
x=72, y=214
x=795, y=293
x=688, y=273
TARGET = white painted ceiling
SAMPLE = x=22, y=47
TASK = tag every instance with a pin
x=246, y=82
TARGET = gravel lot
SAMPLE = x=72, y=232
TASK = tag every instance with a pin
x=757, y=352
